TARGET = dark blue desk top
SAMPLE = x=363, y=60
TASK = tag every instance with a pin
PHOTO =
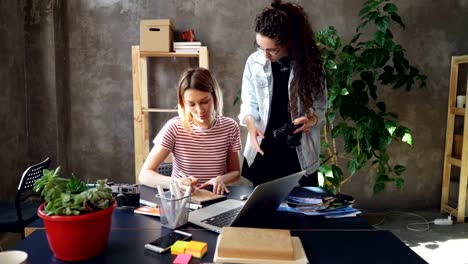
x=346, y=240
x=127, y=246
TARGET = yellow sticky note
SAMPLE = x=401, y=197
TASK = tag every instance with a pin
x=178, y=247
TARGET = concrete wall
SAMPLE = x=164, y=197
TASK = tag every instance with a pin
x=75, y=72
x=13, y=116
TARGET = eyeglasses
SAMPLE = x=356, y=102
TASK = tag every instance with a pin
x=272, y=52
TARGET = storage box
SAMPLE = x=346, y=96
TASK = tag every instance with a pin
x=156, y=35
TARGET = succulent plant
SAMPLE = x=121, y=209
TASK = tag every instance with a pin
x=72, y=196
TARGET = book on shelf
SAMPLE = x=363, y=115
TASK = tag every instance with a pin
x=257, y=245
x=187, y=51
x=187, y=47
x=186, y=43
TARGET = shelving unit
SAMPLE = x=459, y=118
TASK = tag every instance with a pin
x=449, y=160
x=140, y=97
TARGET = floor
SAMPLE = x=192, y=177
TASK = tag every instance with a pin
x=437, y=244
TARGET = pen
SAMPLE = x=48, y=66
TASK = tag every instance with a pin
x=163, y=207
x=150, y=204
x=181, y=209
x=183, y=175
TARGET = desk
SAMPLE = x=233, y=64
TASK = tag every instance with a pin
x=348, y=240
x=125, y=218
x=126, y=246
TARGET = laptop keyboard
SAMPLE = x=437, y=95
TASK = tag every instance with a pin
x=223, y=219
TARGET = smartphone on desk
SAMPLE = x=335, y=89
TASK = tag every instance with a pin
x=165, y=242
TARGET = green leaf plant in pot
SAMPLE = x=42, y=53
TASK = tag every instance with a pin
x=77, y=219
x=359, y=127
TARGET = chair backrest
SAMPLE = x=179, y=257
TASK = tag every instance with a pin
x=165, y=169
x=30, y=176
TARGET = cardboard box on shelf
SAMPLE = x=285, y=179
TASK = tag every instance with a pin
x=156, y=35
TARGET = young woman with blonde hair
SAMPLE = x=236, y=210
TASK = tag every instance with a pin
x=204, y=144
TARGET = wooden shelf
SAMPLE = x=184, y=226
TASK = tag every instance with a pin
x=449, y=160
x=457, y=111
x=141, y=110
x=454, y=161
x=168, y=54
x=159, y=110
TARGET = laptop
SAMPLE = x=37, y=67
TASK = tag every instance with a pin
x=263, y=201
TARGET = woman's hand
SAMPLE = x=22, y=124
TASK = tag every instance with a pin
x=186, y=182
x=218, y=185
x=305, y=122
x=254, y=132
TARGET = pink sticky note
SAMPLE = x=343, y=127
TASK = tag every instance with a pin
x=182, y=259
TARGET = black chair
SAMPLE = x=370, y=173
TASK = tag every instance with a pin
x=165, y=169
x=14, y=217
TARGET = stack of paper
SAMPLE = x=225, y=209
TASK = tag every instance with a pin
x=306, y=201
x=187, y=47
x=147, y=210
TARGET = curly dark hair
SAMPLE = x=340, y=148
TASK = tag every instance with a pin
x=287, y=23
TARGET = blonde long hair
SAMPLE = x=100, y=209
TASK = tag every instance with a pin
x=199, y=79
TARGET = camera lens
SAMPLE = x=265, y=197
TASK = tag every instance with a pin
x=121, y=199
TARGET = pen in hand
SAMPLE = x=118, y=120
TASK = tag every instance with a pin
x=183, y=175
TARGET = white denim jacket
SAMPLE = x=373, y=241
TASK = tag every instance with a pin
x=257, y=91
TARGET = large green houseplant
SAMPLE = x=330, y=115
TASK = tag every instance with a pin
x=77, y=219
x=359, y=127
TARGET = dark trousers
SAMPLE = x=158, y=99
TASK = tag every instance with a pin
x=309, y=180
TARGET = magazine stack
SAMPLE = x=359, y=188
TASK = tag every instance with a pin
x=187, y=47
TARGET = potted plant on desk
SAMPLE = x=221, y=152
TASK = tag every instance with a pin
x=77, y=219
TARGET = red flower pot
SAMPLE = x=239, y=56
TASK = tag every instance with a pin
x=77, y=237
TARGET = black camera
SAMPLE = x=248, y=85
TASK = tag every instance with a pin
x=125, y=194
x=286, y=133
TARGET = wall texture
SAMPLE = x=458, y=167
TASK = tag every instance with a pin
x=13, y=113
x=67, y=82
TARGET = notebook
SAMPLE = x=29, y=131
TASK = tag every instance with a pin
x=264, y=200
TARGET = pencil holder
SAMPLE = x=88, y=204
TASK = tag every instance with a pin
x=174, y=212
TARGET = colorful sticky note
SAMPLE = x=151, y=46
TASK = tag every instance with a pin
x=178, y=247
x=182, y=259
x=196, y=248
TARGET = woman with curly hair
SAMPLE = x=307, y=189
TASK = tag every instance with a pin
x=283, y=97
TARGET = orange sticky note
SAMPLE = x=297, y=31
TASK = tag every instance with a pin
x=196, y=248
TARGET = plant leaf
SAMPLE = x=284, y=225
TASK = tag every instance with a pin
x=379, y=38
x=397, y=19
x=400, y=182
x=390, y=8
x=399, y=169
x=382, y=23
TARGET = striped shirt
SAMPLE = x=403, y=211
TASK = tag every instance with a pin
x=202, y=152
